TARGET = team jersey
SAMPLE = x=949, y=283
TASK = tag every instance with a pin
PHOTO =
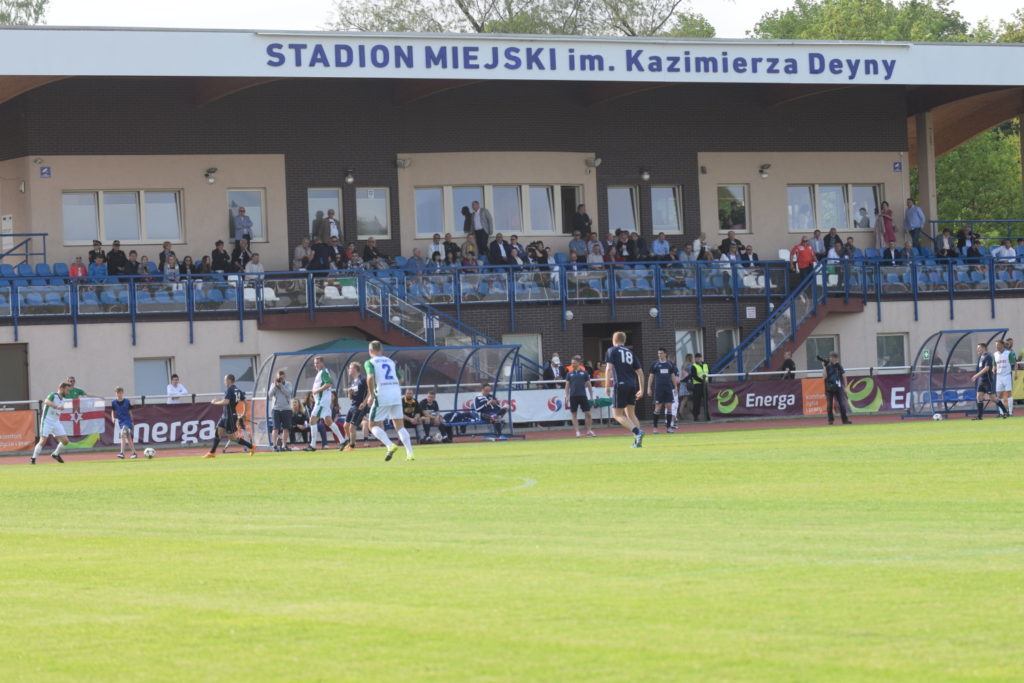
x=233, y=396
x=429, y=407
x=985, y=363
x=122, y=410
x=578, y=381
x=484, y=404
x=664, y=371
x=386, y=389
x=410, y=407
x=357, y=390
x=50, y=413
x=323, y=379
x=625, y=364
x=1002, y=361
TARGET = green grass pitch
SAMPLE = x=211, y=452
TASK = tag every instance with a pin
x=876, y=552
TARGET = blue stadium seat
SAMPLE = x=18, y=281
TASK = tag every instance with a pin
x=38, y=282
x=32, y=299
x=7, y=271
x=400, y=261
x=107, y=297
x=561, y=259
x=143, y=296
x=871, y=253
x=54, y=299
x=162, y=297
x=61, y=270
x=25, y=270
x=178, y=296
x=43, y=269
x=215, y=296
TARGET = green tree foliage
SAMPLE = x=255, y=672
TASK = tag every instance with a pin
x=22, y=11
x=981, y=178
x=915, y=20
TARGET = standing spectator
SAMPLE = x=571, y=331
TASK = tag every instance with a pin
x=863, y=221
x=483, y=226
x=176, y=391
x=833, y=237
x=98, y=269
x=280, y=399
x=945, y=246
x=802, y=258
x=333, y=225
x=499, y=253
x=451, y=247
x=581, y=222
x=241, y=255
x=220, y=259
x=700, y=245
x=696, y=382
x=578, y=244
x=131, y=266
x=243, y=226
x=788, y=365
x=818, y=245
x=913, y=221
x=78, y=269
x=97, y=250
x=302, y=255
x=660, y=247
x=553, y=371
x=165, y=253
x=116, y=259
x=254, y=269
x=835, y=386
x=436, y=247
x=884, y=225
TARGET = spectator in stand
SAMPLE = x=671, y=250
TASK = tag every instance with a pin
x=788, y=365
x=171, y=271
x=97, y=250
x=301, y=255
x=300, y=423
x=98, y=269
x=581, y=222
x=891, y=256
x=748, y=257
x=254, y=269
x=640, y=244
x=730, y=256
x=332, y=226
x=553, y=370
x=577, y=243
x=318, y=228
x=116, y=259
x=371, y=253
x=165, y=252
x=832, y=237
x=730, y=241
x=625, y=247
x=243, y=226
x=968, y=242
x=469, y=257
x=687, y=255
x=483, y=226
x=416, y=262
x=1020, y=248
x=611, y=241
x=700, y=245
x=241, y=255
x=451, y=247
x=863, y=221
x=596, y=255
x=660, y=247
x=907, y=252
x=205, y=266
x=144, y=269
x=337, y=253
x=176, y=391
x=220, y=259
x=913, y=221
x=836, y=253
x=467, y=225
x=884, y=225
x=802, y=258
x=818, y=245
x=78, y=268
x=518, y=252
x=436, y=247
x=451, y=261
x=489, y=409
x=611, y=255
x=436, y=264
x=322, y=256
x=499, y=253
x=1005, y=253
x=851, y=249
x=593, y=239
x=673, y=255
x=131, y=266
x=945, y=246
x=187, y=267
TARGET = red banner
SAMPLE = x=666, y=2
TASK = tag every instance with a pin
x=17, y=430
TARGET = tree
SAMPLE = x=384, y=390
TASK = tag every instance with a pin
x=560, y=17
x=1012, y=31
x=912, y=20
x=22, y=11
x=981, y=178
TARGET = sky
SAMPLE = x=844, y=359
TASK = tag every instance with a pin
x=731, y=18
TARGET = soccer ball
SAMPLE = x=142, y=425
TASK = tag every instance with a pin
x=437, y=437
x=938, y=417
x=149, y=452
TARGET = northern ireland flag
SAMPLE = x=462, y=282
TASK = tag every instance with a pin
x=83, y=416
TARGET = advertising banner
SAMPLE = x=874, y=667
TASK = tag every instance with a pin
x=17, y=430
x=182, y=423
x=771, y=398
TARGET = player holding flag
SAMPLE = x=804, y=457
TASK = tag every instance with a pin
x=323, y=391
x=49, y=423
x=383, y=385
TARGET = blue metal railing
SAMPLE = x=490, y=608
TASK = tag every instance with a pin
x=991, y=232
x=21, y=246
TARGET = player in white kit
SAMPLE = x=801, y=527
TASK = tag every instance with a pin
x=386, y=400
x=323, y=391
x=50, y=425
x=1004, y=378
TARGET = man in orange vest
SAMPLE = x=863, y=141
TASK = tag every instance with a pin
x=802, y=257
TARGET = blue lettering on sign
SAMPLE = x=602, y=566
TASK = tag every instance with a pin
x=276, y=57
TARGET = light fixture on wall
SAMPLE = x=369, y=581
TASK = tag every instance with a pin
x=21, y=187
x=210, y=174
x=703, y=170
x=653, y=312
x=38, y=161
x=569, y=315
x=592, y=163
x=762, y=170
x=349, y=178
x=645, y=175
x=403, y=163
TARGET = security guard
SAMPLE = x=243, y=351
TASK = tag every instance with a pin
x=697, y=382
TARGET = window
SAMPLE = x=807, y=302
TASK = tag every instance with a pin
x=725, y=341
x=246, y=214
x=800, y=207
x=892, y=350
x=542, y=208
x=131, y=216
x=464, y=197
x=665, y=208
x=866, y=201
x=732, y=208
x=152, y=375
x=571, y=196
x=832, y=207
x=243, y=368
x=622, y=209
x=373, y=212
x=529, y=345
x=820, y=346
x=687, y=342
x=508, y=208
x=430, y=211
x=320, y=200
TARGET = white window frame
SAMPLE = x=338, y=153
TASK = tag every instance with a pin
x=635, y=194
x=746, y=204
x=339, y=208
x=387, y=212
x=906, y=347
x=735, y=336
x=254, y=360
x=488, y=202
x=835, y=347
x=677, y=191
x=445, y=192
x=263, y=210
x=519, y=337
x=144, y=240
x=851, y=210
x=168, y=364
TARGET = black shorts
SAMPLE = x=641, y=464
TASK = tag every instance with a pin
x=229, y=423
x=355, y=416
x=577, y=403
x=985, y=387
x=625, y=395
x=282, y=419
x=664, y=396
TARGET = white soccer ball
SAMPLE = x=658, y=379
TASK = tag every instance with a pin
x=653, y=312
x=569, y=315
x=938, y=417
x=437, y=437
x=149, y=452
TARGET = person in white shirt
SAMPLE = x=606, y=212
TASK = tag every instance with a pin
x=699, y=244
x=1004, y=378
x=332, y=224
x=596, y=256
x=835, y=254
x=176, y=391
x=1005, y=253
x=436, y=247
x=254, y=268
x=731, y=255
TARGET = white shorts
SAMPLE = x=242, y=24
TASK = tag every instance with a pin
x=52, y=427
x=393, y=413
x=320, y=410
x=1004, y=383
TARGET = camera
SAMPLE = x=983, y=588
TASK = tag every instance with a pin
x=822, y=359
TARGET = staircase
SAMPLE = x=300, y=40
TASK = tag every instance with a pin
x=787, y=327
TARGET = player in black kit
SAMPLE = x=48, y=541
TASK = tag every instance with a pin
x=357, y=393
x=228, y=424
x=625, y=375
x=662, y=385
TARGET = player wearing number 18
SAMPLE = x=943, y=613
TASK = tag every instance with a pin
x=624, y=375
x=383, y=385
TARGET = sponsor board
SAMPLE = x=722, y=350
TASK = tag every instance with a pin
x=185, y=424
x=17, y=430
x=775, y=398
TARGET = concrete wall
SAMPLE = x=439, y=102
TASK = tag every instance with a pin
x=14, y=202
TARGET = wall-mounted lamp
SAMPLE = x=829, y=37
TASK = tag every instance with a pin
x=349, y=178
x=21, y=187
x=762, y=170
x=569, y=315
x=38, y=162
x=211, y=175
x=653, y=312
x=645, y=175
x=593, y=163
x=403, y=163
x=703, y=170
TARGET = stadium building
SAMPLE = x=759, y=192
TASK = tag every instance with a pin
x=148, y=136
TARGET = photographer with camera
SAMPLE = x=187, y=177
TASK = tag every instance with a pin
x=280, y=399
x=835, y=386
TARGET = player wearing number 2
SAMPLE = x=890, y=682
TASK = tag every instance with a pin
x=624, y=375
x=383, y=385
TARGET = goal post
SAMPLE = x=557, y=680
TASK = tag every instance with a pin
x=940, y=377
